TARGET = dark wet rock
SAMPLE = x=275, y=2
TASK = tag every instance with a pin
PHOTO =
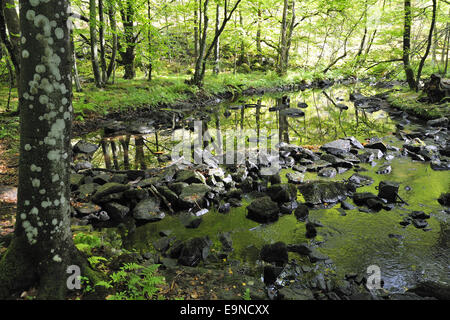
x=168, y=194
x=376, y=145
x=388, y=190
x=163, y=244
x=193, y=195
x=102, y=193
x=275, y=179
x=396, y=236
x=288, y=207
x=354, y=142
x=86, y=190
x=178, y=187
x=235, y=203
x=282, y=192
x=165, y=233
x=276, y=253
x=84, y=147
x=444, y=199
x=194, y=251
x=168, y=263
x=292, y=113
x=299, y=168
x=271, y=273
x=327, y=172
x=303, y=249
x=189, y=177
x=419, y=215
x=263, y=210
x=315, y=256
x=226, y=241
x=225, y=208
x=311, y=230
x=361, y=180
x=82, y=165
x=101, y=178
x=347, y=206
x=406, y=221
x=441, y=122
x=375, y=204
x=320, y=192
x=295, y=177
x=97, y=217
x=368, y=155
x=116, y=210
x=302, y=105
x=336, y=162
x=76, y=180
x=145, y=183
x=301, y=212
x=384, y=169
x=295, y=293
x=440, y=165
x=361, y=199
x=136, y=194
x=349, y=157
x=87, y=209
x=420, y=223
x=148, y=210
x=339, y=146
x=437, y=290
x=119, y=178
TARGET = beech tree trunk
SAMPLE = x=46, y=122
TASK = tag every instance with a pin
x=42, y=246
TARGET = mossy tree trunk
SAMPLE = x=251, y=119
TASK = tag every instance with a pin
x=42, y=247
x=407, y=46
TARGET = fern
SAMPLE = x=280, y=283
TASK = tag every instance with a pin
x=135, y=282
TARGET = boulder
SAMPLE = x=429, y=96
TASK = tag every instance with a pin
x=327, y=173
x=116, y=211
x=263, y=210
x=444, y=199
x=301, y=212
x=148, y=210
x=282, y=192
x=276, y=253
x=193, y=195
x=107, y=189
x=194, y=251
x=337, y=146
x=84, y=147
x=320, y=192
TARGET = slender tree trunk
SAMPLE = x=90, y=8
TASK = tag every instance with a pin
x=129, y=54
x=76, y=77
x=217, y=46
x=287, y=28
x=101, y=35
x=196, y=44
x=258, y=36
x=42, y=246
x=94, y=49
x=12, y=22
x=113, y=23
x=407, y=45
x=149, y=36
x=427, y=50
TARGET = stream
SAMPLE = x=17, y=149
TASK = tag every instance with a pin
x=353, y=239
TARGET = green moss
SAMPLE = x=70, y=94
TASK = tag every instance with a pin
x=407, y=101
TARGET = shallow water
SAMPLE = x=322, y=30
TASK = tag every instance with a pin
x=354, y=241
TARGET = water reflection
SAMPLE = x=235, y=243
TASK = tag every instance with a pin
x=311, y=117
